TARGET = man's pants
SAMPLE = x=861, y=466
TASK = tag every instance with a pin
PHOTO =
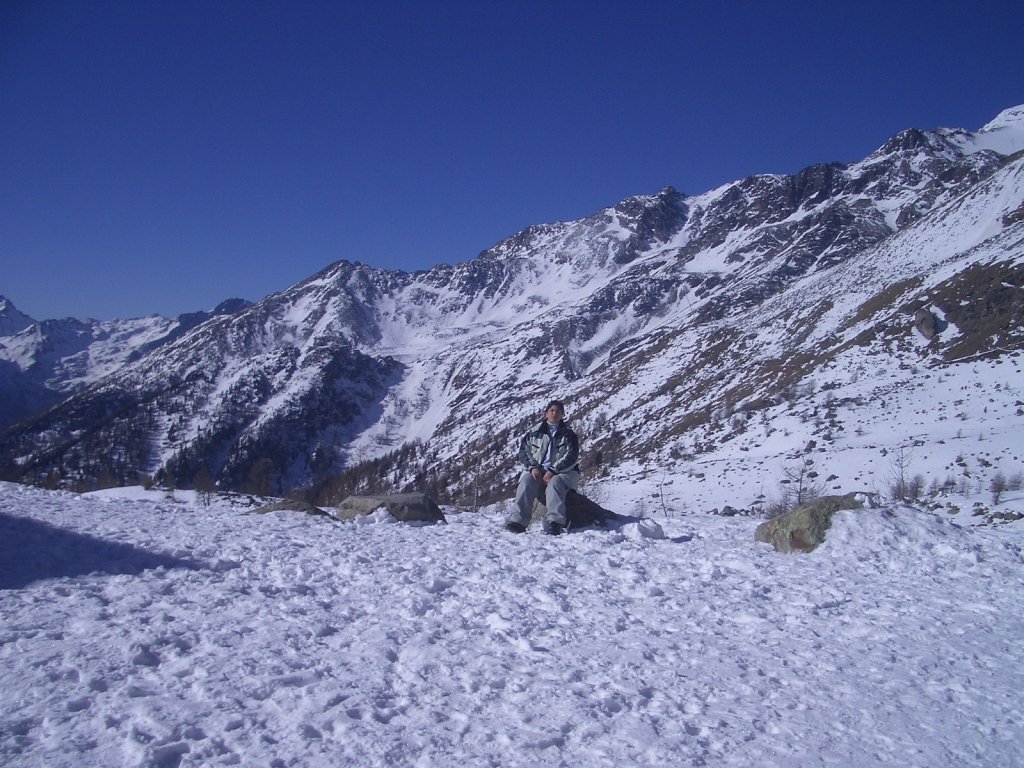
x=554, y=496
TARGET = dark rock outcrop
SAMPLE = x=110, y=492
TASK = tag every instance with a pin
x=289, y=505
x=581, y=512
x=404, y=507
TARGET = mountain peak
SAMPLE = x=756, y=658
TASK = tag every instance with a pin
x=670, y=193
x=1003, y=134
x=231, y=306
x=1009, y=118
x=12, y=320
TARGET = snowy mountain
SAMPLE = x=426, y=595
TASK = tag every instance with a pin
x=43, y=362
x=833, y=316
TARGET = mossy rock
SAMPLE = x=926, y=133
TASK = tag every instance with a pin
x=804, y=529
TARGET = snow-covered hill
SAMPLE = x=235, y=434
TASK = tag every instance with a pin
x=140, y=629
x=708, y=336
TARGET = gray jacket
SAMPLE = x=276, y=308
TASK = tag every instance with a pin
x=533, y=449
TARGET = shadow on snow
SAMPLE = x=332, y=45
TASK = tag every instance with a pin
x=32, y=551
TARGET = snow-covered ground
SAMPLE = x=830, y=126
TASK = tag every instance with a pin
x=141, y=630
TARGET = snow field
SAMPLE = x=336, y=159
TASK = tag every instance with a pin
x=152, y=632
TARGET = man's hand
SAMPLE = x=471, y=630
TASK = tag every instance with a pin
x=547, y=477
x=538, y=474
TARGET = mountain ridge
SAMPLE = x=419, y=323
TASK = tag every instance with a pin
x=44, y=361
x=356, y=362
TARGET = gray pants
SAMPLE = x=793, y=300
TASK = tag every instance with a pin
x=554, y=496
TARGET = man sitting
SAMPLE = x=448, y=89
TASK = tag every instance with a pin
x=549, y=455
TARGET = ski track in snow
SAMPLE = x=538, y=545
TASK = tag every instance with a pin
x=163, y=633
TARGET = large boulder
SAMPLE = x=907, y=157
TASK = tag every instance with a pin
x=579, y=510
x=404, y=507
x=803, y=529
x=925, y=323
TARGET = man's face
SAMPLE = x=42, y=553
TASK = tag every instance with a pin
x=554, y=414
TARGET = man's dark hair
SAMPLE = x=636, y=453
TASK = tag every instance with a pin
x=555, y=403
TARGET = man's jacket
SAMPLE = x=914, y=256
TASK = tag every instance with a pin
x=533, y=450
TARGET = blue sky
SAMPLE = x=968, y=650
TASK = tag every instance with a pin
x=159, y=157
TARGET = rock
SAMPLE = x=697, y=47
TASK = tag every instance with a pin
x=925, y=323
x=803, y=529
x=289, y=505
x=404, y=507
x=580, y=511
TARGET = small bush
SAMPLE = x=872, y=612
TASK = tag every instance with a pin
x=998, y=486
x=1015, y=482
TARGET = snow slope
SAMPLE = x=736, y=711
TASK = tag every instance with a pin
x=1003, y=134
x=140, y=630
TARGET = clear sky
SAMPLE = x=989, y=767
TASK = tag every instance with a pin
x=159, y=157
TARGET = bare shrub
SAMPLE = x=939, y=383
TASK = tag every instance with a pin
x=998, y=486
x=915, y=487
x=799, y=484
x=900, y=488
